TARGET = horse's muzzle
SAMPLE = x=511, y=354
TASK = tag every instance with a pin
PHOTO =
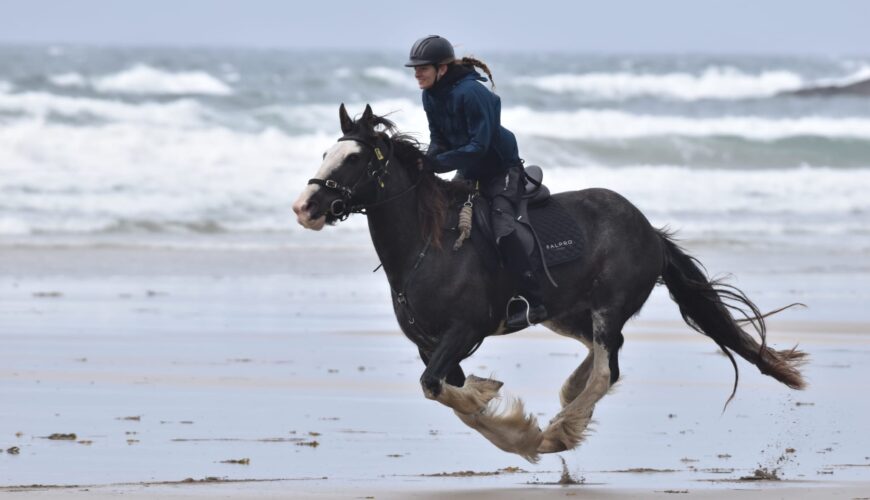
x=305, y=209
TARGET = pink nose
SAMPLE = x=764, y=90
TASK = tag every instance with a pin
x=300, y=206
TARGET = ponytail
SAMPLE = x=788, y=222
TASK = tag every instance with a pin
x=470, y=61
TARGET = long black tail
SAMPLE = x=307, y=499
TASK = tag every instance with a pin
x=707, y=305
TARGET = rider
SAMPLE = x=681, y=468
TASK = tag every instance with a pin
x=466, y=135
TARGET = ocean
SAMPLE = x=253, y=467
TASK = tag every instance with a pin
x=175, y=146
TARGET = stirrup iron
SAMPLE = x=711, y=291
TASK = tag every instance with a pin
x=522, y=300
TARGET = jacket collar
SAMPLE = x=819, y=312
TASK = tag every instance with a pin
x=455, y=74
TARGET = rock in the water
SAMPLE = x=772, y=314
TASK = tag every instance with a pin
x=861, y=88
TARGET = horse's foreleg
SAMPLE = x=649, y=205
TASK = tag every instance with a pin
x=567, y=428
x=510, y=429
x=444, y=381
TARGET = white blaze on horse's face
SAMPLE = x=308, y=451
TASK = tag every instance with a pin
x=312, y=215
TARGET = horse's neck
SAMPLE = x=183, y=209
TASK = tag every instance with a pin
x=395, y=232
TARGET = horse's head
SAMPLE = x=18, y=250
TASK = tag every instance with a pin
x=349, y=175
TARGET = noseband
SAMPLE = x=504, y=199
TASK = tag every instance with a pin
x=375, y=171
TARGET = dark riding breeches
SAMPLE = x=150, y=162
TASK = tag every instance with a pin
x=504, y=193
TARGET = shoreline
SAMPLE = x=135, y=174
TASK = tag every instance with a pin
x=166, y=364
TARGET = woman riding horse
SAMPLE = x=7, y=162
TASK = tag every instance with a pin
x=447, y=302
x=466, y=135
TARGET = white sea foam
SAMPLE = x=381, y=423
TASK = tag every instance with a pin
x=713, y=83
x=13, y=226
x=144, y=79
x=63, y=178
x=324, y=117
x=390, y=76
x=606, y=125
x=42, y=104
x=826, y=192
x=108, y=154
x=168, y=167
x=581, y=124
x=592, y=125
x=68, y=80
x=148, y=177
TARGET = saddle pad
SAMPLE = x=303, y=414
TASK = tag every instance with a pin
x=559, y=233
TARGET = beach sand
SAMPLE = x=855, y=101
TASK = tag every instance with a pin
x=172, y=365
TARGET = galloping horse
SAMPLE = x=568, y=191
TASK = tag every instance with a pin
x=448, y=301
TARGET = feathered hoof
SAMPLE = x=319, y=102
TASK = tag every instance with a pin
x=508, y=427
x=550, y=445
x=474, y=395
x=557, y=437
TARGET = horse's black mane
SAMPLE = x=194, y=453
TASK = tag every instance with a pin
x=408, y=150
x=435, y=195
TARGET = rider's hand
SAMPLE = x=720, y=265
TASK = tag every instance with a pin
x=427, y=164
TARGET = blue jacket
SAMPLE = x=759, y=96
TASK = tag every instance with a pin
x=465, y=127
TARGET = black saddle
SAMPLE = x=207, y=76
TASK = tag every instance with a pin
x=548, y=232
x=536, y=191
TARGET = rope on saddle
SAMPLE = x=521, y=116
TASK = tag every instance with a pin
x=464, y=223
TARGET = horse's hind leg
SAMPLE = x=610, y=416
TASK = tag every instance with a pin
x=575, y=384
x=580, y=330
x=568, y=426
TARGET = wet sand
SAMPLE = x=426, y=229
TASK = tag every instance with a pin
x=281, y=373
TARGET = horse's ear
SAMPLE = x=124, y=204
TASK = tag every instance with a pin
x=367, y=116
x=344, y=118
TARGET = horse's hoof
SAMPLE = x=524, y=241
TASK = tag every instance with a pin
x=432, y=388
x=550, y=445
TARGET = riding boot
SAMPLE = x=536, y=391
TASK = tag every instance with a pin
x=519, y=265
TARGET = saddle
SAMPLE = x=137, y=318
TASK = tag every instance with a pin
x=548, y=232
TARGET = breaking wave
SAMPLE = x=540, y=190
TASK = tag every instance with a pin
x=147, y=80
x=712, y=83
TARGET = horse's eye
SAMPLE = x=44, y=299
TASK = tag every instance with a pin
x=353, y=157
x=324, y=155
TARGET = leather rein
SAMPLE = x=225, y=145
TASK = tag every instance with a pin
x=376, y=170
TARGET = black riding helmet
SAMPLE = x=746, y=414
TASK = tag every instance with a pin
x=432, y=50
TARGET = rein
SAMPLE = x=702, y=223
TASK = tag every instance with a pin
x=376, y=170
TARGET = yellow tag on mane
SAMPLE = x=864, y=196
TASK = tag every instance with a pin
x=378, y=154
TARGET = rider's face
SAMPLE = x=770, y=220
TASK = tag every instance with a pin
x=425, y=75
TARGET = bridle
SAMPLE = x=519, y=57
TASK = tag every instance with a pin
x=342, y=208
x=376, y=170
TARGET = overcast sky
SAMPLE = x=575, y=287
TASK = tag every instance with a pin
x=710, y=26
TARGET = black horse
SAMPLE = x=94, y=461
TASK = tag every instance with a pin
x=448, y=301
